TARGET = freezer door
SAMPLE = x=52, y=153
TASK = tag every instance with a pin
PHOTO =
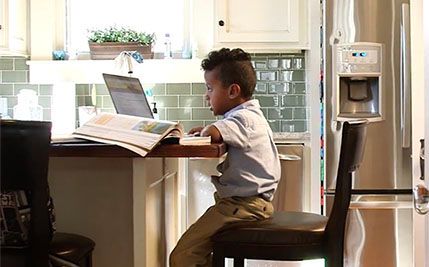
x=378, y=231
x=386, y=164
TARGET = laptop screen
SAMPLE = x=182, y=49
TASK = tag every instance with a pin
x=128, y=95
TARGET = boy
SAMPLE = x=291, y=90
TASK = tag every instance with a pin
x=251, y=170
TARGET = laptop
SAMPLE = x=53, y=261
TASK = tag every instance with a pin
x=128, y=95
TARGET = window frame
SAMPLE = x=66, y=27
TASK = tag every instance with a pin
x=63, y=37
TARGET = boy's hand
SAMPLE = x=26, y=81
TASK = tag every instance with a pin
x=196, y=130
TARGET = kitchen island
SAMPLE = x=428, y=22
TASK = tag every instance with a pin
x=132, y=207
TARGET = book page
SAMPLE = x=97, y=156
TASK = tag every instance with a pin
x=126, y=131
x=193, y=140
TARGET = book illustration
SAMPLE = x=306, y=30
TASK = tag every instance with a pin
x=152, y=127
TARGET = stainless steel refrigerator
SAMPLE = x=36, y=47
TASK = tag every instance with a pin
x=367, y=75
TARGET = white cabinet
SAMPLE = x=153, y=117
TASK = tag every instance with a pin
x=3, y=19
x=14, y=25
x=132, y=203
x=261, y=25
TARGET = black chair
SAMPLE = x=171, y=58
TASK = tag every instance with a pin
x=24, y=166
x=294, y=236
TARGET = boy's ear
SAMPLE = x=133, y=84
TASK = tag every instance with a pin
x=234, y=91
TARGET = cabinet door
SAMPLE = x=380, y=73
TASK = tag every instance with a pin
x=257, y=21
x=18, y=15
x=3, y=26
x=14, y=24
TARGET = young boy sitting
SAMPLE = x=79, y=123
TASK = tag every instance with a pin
x=251, y=170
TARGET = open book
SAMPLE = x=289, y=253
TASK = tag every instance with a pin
x=137, y=134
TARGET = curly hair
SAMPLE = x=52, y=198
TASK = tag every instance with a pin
x=234, y=67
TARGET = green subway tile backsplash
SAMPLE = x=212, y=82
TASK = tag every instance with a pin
x=300, y=113
x=286, y=113
x=19, y=76
x=161, y=113
x=82, y=89
x=45, y=89
x=202, y=114
x=268, y=101
x=20, y=64
x=273, y=114
x=107, y=102
x=167, y=101
x=18, y=87
x=176, y=114
x=6, y=64
x=157, y=89
x=198, y=88
x=275, y=125
x=299, y=88
x=179, y=89
x=191, y=101
x=261, y=88
x=6, y=89
x=293, y=101
x=187, y=125
x=281, y=90
x=45, y=101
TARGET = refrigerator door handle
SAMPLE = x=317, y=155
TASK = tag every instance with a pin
x=405, y=77
x=421, y=199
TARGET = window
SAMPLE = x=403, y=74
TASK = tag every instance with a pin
x=160, y=17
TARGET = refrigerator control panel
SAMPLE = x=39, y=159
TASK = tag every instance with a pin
x=358, y=58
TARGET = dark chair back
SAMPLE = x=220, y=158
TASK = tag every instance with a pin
x=292, y=236
x=24, y=166
x=352, y=148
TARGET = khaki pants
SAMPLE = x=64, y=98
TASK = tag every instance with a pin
x=194, y=247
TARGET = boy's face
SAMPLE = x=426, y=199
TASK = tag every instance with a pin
x=217, y=95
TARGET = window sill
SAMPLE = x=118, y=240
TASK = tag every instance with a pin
x=90, y=71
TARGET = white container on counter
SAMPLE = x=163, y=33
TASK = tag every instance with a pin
x=27, y=107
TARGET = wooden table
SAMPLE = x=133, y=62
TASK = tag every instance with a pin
x=94, y=149
x=133, y=207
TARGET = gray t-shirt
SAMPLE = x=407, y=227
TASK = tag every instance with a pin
x=252, y=164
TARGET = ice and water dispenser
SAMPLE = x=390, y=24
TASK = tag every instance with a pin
x=357, y=82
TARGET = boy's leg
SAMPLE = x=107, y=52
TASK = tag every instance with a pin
x=194, y=247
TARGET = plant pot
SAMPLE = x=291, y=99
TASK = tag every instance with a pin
x=110, y=50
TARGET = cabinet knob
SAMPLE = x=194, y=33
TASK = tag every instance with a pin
x=221, y=23
x=1, y=27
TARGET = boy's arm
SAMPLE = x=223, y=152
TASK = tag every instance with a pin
x=212, y=131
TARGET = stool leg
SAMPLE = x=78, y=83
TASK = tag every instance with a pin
x=238, y=262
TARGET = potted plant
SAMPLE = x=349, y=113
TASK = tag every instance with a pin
x=110, y=42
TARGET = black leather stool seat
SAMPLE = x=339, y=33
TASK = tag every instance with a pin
x=282, y=228
x=71, y=247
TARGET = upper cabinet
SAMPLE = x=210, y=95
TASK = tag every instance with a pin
x=14, y=27
x=258, y=25
x=3, y=19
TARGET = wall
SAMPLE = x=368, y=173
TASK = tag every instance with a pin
x=281, y=90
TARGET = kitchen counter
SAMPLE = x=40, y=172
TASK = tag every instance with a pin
x=281, y=138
